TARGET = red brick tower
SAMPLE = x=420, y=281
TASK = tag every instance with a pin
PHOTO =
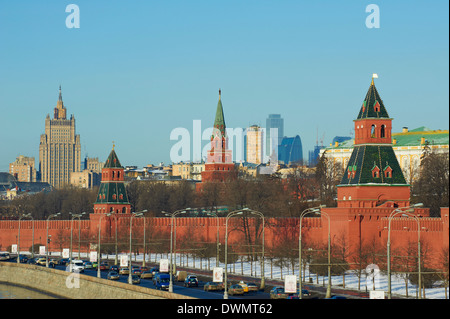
x=373, y=177
x=219, y=165
x=112, y=195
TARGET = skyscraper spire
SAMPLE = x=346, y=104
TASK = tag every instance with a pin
x=60, y=110
x=60, y=95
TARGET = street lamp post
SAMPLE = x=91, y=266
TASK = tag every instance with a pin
x=406, y=212
x=116, y=257
x=99, y=252
x=135, y=214
x=312, y=210
x=181, y=211
x=71, y=237
x=46, y=239
x=263, y=244
x=18, y=238
x=217, y=237
x=233, y=213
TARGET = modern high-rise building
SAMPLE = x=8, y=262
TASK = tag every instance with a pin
x=60, y=148
x=274, y=121
x=254, y=145
x=290, y=150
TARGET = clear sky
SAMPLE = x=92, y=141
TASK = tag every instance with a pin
x=136, y=70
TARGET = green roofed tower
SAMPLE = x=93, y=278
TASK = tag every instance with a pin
x=112, y=195
x=373, y=176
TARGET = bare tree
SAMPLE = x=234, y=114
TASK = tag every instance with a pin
x=432, y=187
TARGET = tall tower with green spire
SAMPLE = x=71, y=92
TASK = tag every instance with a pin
x=373, y=176
x=219, y=164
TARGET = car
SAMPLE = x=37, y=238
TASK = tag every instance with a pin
x=94, y=264
x=77, y=266
x=114, y=268
x=306, y=293
x=124, y=271
x=104, y=266
x=64, y=261
x=54, y=261
x=252, y=286
x=113, y=275
x=88, y=265
x=162, y=281
x=236, y=290
x=135, y=279
x=278, y=293
x=41, y=261
x=146, y=274
x=4, y=256
x=135, y=271
x=143, y=268
x=154, y=270
x=212, y=286
x=191, y=281
x=23, y=259
x=243, y=285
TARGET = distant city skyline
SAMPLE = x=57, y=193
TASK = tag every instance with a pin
x=131, y=73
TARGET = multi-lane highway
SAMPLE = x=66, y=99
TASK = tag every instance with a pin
x=203, y=276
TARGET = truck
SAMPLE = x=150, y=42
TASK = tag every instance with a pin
x=181, y=275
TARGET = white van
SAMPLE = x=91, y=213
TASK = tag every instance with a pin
x=77, y=266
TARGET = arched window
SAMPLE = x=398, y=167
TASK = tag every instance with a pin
x=372, y=131
x=383, y=131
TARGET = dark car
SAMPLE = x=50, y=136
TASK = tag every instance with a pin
x=23, y=259
x=64, y=261
x=210, y=286
x=191, y=281
x=114, y=268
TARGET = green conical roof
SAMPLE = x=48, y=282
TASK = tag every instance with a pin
x=365, y=159
x=112, y=193
x=373, y=106
x=219, y=121
x=112, y=161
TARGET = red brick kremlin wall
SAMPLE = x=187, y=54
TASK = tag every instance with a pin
x=356, y=225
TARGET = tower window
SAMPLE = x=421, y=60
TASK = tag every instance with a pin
x=383, y=131
x=372, y=131
x=375, y=171
x=376, y=106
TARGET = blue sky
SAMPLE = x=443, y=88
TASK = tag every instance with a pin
x=136, y=70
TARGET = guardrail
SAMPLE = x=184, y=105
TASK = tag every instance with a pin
x=75, y=286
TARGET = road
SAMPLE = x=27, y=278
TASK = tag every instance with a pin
x=317, y=291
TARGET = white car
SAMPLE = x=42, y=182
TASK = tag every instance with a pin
x=77, y=266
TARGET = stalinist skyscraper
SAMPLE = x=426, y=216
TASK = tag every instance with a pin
x=60, y=148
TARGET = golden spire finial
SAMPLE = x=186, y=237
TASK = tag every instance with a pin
x=374, y=76
x=113, y=145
